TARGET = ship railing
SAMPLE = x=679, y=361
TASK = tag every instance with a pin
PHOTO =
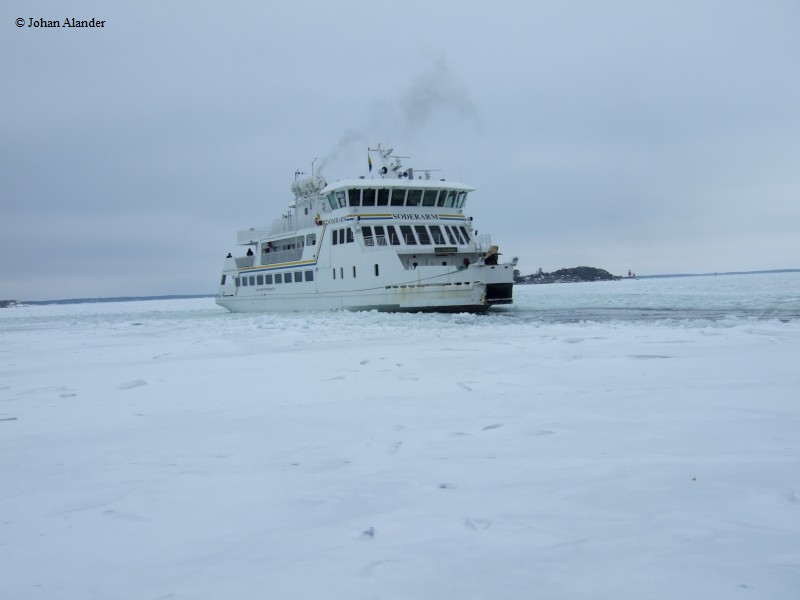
x=379, y=240
x=281, y=256
x=245, y=261
x=483, y=242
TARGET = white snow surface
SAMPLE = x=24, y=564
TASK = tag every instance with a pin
x=169, y=449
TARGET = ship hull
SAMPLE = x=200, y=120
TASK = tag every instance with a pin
x=474, y=290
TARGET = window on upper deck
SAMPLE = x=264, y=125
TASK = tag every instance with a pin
x=383, y=197
x=354, y=197
x=436, y=234
x=466, y=235
x=380, y=236
x=429, y=198
x=394, y=239
x=367, y=233
x=408, y=235
x=422, y=233
x=442, y=198
x=414, y=197
x=457, y=235
x=340, y=200
x=451, y=199
x=368, y=197
x=462, y=197
x=398, y=197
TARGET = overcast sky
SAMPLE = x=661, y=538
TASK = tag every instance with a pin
x=662, y=137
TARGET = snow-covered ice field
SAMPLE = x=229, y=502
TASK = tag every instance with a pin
x=169, y=449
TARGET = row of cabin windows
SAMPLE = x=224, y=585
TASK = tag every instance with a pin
x=424, y=235
x=396, y=197
x=270, y=279
x=342, y=236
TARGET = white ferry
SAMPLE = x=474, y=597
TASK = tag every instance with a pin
x=390, y=243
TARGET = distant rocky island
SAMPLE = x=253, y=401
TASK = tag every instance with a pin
x=10, y=303
x=573, y=275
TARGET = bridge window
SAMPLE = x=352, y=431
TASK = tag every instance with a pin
x=462, y=197
x=429, y=199
x=354, y=197
x=414, y=197
x=398, y=196
x=442, y=197
x=368, y=199
x=349, y=236
x=383, y=197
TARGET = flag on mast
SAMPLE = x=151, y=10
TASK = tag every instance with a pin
x=369, y=161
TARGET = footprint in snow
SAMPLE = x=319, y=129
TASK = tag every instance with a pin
x=478, y=524
x=540, y=432
x=60, y=389
x=129, y=385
